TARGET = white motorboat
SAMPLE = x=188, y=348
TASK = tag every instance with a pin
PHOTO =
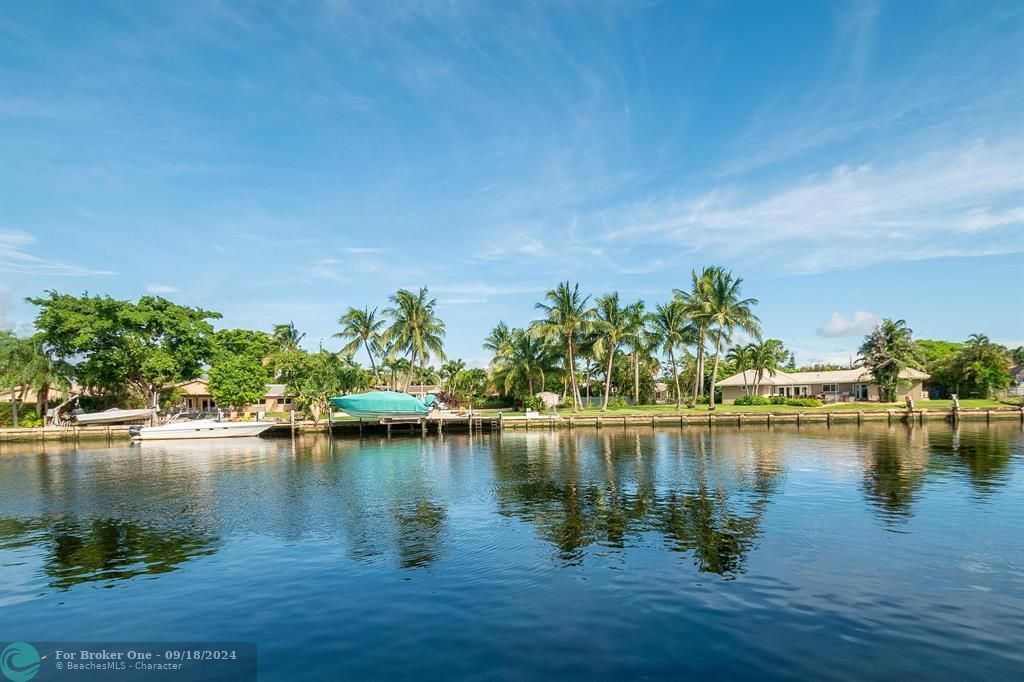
x=113, y=416
x=199, y=428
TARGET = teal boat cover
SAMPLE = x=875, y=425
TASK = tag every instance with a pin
x=380, y=402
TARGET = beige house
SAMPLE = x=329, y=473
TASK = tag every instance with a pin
x=843, y=385
x=196, y=396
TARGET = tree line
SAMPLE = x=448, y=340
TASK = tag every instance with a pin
x=139, y=352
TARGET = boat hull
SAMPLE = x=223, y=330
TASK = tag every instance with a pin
x=381, y=405
x=113, y=417
x=202, y=430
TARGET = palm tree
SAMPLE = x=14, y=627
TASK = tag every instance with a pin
x=415, y=328
x=287, y=337
x=766, y=357
x=361, y=327
x=499, y=341
x=450, y=373
x=566, y=316
x=726, y=313
x=670, y=329
x=886, y=352
x=742, y=359
x=613, y=323
x=638, y=343
x=697, y=302
x=527, y=359
x=25, y=365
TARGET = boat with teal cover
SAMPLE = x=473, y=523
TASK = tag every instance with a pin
x=383, y=404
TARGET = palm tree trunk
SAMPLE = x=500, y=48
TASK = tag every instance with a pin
x=636, y=378
x=373, y=365
x=412, y=366
x=675, y=375
x=608, y=380
x=697, y=379
x=714, y=372
x=572, y=377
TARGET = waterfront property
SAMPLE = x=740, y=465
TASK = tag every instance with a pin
x=829, y=386
x=620, y=553
x=196, y=396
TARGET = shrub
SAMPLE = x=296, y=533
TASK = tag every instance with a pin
x=532, y=402
x=617, y=401
x=752, y=400
x=30, y=420
x=568, y=402
x=803, y=402
x=778, y=400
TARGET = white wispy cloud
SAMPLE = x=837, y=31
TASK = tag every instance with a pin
x=156, y=288
x=14, y=257
x=358, y=250
x=928, y=206
x=326, y=268
x=860, y=324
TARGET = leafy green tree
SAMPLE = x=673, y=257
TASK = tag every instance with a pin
x=1017, y=355
x=241, y=343
x=362, y=327
x=322, y=376
x=886, y=352
x=567, y=316
x=238, y=381
x=415, y=329
x=727, y=311
x=451, y=375
x=939, y=360
x=670, y=329
x=981, y=367
x=147, y=346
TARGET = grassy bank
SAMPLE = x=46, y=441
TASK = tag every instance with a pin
x=937, y=405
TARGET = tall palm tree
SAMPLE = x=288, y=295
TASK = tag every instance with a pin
x=566, y=316
x=670, y=329
x=766, y=357
x=613, y=323
x=499, y=340
x=727, y=311
x=287, y=336
x=697, y=302
x=415, y=329
x=361, y=327
x=528, y=359
x=450, y=373
x=742, y=359
x=638, y=342
x=886, y=351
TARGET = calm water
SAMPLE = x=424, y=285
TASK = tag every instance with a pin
x=846, y=553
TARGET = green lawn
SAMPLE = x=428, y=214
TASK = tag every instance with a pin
x=842, y=407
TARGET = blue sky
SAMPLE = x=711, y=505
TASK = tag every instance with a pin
x=281, y=161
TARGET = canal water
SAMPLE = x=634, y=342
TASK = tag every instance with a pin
x=845, y=553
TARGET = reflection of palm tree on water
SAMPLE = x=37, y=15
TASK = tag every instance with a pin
x=695, y=516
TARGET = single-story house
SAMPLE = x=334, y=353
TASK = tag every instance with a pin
x=549, y=399
x=196, y=396
x=1016, y=380
x=831, y=386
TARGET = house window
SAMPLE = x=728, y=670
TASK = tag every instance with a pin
x=261, y=401
x=829, y=388
x=286, y=401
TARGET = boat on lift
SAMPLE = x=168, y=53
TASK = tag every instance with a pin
x=385, y=405
x=114, y=415
x=183, y=428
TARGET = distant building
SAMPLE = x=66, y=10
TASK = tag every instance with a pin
x=1016, y=381
x=830, y=386
x=196, y=396
x=549, y=399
